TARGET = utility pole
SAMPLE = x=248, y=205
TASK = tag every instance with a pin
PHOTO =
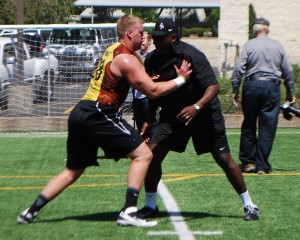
x=20, y=47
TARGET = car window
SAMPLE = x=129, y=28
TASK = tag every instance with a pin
x=46, y=33
x=112, y=35
x=8, y=51
x=73, y=36
x=60, y=36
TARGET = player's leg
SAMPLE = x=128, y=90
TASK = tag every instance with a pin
x=81, y=154
x=141, y=158
x=52, y=189
x=152, y=179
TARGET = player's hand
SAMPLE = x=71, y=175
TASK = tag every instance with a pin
x=155, y=77
x=184, y=69
x=235, y=99
x=187, y=114
x=146, y=131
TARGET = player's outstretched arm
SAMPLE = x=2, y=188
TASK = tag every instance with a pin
x=128, y=66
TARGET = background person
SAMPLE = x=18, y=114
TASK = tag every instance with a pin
x=96, y=121
x=140, y=100
x=190, y=112
x=263, y=62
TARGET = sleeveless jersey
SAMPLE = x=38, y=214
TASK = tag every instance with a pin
x=105, y=87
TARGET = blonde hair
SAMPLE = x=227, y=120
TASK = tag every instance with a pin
x=126, y=22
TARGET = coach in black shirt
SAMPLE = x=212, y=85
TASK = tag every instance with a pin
x=190, y=112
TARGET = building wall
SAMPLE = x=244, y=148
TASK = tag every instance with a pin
x=283, y=15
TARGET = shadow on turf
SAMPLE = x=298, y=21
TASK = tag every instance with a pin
x=112, y=216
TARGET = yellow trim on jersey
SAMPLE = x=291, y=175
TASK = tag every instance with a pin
x=94, y=88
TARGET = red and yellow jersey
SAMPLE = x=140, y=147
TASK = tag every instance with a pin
x=105, y=87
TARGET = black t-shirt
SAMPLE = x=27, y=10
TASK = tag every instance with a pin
x=201, y=77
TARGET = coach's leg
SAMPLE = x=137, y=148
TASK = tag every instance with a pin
x=232, y=171
x=235, y=177
x=155, y=169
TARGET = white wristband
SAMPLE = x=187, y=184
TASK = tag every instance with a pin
x=180, y=80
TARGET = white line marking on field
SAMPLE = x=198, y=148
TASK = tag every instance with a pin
x=181, y=228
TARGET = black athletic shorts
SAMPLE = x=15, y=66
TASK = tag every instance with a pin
x=91, y=126
x=208, y=134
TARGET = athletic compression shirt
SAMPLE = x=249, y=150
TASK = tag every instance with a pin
x=105, y=87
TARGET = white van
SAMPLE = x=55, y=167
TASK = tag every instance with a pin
x=79, y=49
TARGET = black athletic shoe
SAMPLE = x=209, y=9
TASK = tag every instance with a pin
x=147, y=212
x=251, y=213
x=26, y=217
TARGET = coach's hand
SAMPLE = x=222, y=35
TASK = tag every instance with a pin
x=187, y=114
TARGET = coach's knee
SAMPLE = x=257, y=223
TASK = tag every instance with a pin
x=224, y=160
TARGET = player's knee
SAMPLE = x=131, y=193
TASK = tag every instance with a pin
x=148, y=156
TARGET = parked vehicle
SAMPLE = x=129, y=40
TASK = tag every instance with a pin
x=40, y=70
x=79, y=50
x=8, y=32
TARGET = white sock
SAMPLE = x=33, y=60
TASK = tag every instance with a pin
x=246, y=199
x=151, y=200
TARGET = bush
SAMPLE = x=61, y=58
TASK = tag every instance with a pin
x=225, y=95
x=296, y=71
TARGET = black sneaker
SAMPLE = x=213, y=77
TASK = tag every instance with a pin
x=129, y=218
x=26, y=217
x=251, y=213
x=147, y=212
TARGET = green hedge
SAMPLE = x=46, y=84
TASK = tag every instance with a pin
x=186, y=32
x=225, y=95
x=296, y=71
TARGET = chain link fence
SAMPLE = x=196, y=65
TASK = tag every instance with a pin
x=42, y=79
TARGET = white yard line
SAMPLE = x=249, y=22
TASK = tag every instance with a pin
x=181, y=228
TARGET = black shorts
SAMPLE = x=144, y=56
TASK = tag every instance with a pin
x=91, y=127
x=208, y=134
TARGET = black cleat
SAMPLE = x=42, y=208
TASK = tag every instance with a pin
x=147, y=212
x=26, y=217
x=251, y=213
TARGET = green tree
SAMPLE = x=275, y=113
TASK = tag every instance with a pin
x=8, y=13
x=252, y=16
x=148, y=14
x=37, y=11
x=213, y=19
